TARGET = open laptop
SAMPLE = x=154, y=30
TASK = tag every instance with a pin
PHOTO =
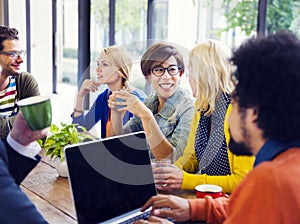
x=111, y=178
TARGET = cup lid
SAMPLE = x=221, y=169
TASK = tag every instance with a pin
x=208, y=188
x=32, y=100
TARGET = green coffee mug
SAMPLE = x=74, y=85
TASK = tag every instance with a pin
x=37, y=111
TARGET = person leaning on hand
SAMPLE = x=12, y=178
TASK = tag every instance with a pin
x=264, y=121
x=113, y=69
x=14, y=85
x=18, y=156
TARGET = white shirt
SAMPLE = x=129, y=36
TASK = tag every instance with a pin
x=30, y=150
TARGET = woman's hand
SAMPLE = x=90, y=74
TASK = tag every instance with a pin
x=112, y=101
x=88, y=86
x=124, y=100
x=168, y=178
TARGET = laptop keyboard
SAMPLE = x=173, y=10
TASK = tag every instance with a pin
x=144, y=215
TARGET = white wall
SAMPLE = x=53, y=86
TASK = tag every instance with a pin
x=41, y=43
x=182, y=22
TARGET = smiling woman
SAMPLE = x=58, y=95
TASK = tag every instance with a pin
x=166, y=114
x=113, y=69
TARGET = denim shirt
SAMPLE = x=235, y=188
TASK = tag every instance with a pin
x=273, y=148
x=174, y=119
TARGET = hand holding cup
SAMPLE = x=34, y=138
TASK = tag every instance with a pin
x=167, y=176
x=126, y=98
x=157, y=167
x=21, y=133
x=37, y=111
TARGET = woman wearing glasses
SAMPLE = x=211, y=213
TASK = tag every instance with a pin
x=166, y=113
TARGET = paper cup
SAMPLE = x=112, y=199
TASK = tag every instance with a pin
x=37, y=111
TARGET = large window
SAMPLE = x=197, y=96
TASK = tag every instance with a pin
x=159, y=20
x=68, y=37
x=130, y=32
x=52, y=39
x=99, y=26
x=18, y=22
x=130, y=22
x=283, y=14
x=39, y=45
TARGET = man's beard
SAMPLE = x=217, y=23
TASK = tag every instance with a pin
x=8, y=72
x=239, y=149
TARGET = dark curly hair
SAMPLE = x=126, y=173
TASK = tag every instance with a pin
x=7, y=33
x=268, y=79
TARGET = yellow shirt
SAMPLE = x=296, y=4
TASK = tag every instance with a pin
x=239, y=165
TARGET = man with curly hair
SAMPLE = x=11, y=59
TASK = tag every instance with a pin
x=264, y=122
x=14, y=85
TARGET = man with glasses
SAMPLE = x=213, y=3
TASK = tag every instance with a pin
x=14, y=85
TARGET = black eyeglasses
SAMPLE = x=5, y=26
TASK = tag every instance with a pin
x=14, y=54
x=160, y=70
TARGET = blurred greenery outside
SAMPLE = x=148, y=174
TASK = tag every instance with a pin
x=281, y=14
x=128, y=26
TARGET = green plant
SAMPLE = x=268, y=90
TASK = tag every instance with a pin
x=60, y=137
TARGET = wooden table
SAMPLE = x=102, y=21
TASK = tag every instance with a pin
x=51, y=193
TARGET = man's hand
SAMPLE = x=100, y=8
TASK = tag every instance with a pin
x=171, y=206
x=23, y=134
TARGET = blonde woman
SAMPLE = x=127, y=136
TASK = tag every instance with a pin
x=206, y=158
x=114, y=67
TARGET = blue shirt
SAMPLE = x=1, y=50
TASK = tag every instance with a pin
x=174, y=119
x=271, y=149
x=100, y=111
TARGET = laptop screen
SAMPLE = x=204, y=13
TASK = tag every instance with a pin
x=109, y=177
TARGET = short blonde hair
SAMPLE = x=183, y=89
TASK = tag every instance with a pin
x=121, y=61
x=211, y=68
